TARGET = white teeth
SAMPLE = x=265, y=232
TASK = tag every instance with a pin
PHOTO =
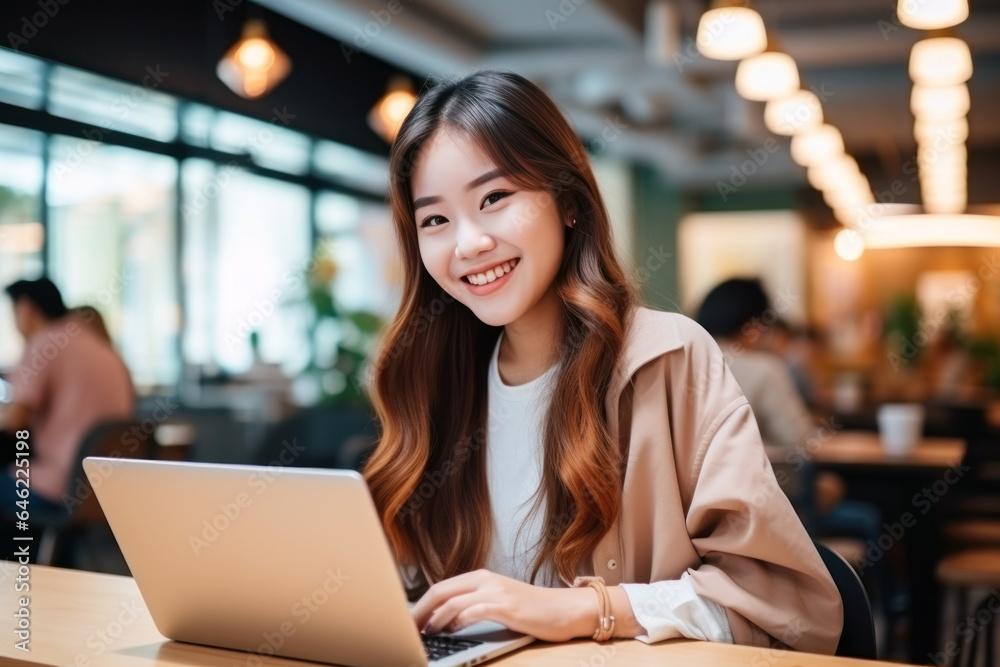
x=492, y=274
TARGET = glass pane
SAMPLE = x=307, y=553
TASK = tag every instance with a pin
x=245, y=262
x=352, y=167
x=368, y=272
x=113, y=247
x=196, y=124
x=269, y=144
x=337, y=213
x=21, y=79
x=21, y=233
x=197, y=212
x=114, y=105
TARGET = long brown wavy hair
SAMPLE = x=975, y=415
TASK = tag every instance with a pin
x=427, y=475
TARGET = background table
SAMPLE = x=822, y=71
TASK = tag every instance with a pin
x=863, y=448
x=85, y=619
x=914, y=483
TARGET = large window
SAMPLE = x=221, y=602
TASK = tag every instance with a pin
x=112, y=246
x=246, y=252
x=188, y=256
x=21, y=232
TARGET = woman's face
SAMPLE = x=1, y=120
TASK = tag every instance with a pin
x=462, y=202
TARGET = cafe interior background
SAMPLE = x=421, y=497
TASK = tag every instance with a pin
x=212, y=177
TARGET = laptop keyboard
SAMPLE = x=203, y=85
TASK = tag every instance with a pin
x=440, y=646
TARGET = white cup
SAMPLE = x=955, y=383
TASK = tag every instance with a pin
x=900, y=426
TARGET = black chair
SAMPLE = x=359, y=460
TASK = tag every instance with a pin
x=857, y=640
x=65, y=528
x=320, y=438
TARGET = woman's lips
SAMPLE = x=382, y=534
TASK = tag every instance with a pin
x=489, y=288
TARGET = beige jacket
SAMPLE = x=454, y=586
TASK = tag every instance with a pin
x=700, y=495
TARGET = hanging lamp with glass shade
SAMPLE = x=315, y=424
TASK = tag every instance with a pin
x=730, y=30
x=817, y=145
x=767, y=76
x=932, y=14
x=939, y=103
x=254, y=65
x=799, y=112
x=940, y=61
x=392, y=108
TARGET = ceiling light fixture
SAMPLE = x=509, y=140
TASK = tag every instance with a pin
x=932, y=14
x=254, y=65
x=799, y=112
x=730, y=30
x=392, y=108
x=940, y=61
x=767, y=76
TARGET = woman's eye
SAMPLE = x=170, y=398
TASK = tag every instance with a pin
x=494, y=197
x=426, y=223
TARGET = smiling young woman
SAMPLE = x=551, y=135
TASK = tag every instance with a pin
x=523, y=391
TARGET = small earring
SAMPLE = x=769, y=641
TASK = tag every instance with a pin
x=573, y=224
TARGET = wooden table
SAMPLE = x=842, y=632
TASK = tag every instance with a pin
x=84, y=619
x=863, y=448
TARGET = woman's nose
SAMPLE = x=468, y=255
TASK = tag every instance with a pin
x=471, y=240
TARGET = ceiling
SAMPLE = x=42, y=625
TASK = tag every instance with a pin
x=681, y=115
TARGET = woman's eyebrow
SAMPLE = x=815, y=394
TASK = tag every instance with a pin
x=474, y=183
x=485, y=178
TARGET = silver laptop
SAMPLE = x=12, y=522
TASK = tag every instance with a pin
x=268, y=560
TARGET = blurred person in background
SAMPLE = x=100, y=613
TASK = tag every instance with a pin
x=92, y=317
x=68, y=380
x=738, y=314
x=797, y=348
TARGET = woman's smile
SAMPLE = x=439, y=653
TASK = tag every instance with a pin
x=489, y=282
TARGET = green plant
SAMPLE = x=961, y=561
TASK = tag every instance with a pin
x=901, y=324
x=986, y=350
x=340, y=375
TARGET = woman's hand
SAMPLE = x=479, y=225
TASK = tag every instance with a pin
x=549, y=614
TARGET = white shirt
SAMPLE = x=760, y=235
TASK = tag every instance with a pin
x=514, y=450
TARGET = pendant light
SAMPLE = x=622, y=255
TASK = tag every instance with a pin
x=730, y=30
x=254, y=65
x=767, y=76
x=392, y=108
x=932, y=14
